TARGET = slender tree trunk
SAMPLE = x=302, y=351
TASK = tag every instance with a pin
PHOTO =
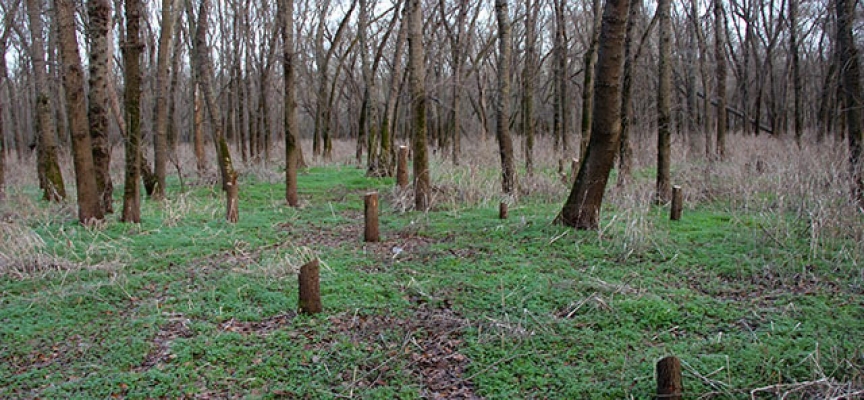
x=720, y=65
x=502, y=105
x=582, y=209
x=797, y=84
x=101, y=52
x=388, y=123
x=417, y=71
x=625, y=156
x=173, y=134
x=528, y=82
x=664, y=103
x=851, y=76
x=292, y=142
x=89, y=207
x=160, y=139
x=198, y=129
x=48, y=168
x=2, y=125
x=590, y=61
x=561, y=103
x=132, y=102
x=204, y=74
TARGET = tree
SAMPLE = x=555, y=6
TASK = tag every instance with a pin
x=528, y=81
x=160, y=138
x=720, y=74
x=89, y=207
x=4, y=36
x=101, y=52
x=561, y=101
x=664, y=103
x=48, y=168
x=204, y=76
x=851, y=79
x=417, y=71
x=292, y=140
x=502, y=105
x=797, y=84
x=590, y=61
x=388, y=121
x=582, y=208
x=132, y=106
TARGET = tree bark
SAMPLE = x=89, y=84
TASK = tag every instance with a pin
x=664, y=103
x=589, y=71
x=797, y=84
x=198, y=129
x=204, y=73
x=370, y=214
x=528, y=82
x=582, y=209
x=388, y=122
x=502, y=104
x=851, y=76
x=48, y=167
x=160, y=139
x=720, y=65
x=89, y=207
x=669, y=379
x=292, y=140
x=101, y=51
x=309, y=283
x=625, y=152
x=560, y=103
x=417, y=70
x=132, y=106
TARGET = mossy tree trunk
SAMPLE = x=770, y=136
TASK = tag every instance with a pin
x=101, y=52
x=417, y=71
x=502, y=105
x=47, y=165
x=582, y=208
x=89, y=205
x=664, y=103
x=292, y=141
x=132, y=105
x=204, y=74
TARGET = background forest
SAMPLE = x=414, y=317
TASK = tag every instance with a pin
x=167, y=168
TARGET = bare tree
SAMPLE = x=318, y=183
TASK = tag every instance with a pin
x=101, y=52
x=851, y=76
x=582, y=208
x=590, y=61
x=89, y=207
x=388, y=121
x=720, y=75
x=529, y=77
x=561, y=101
x=204, y=75
x=160, y=138
x=417, y=71
x=292, y=139
x=132, y=105
x=502, y=105
x=664, y=103
x=48, y=168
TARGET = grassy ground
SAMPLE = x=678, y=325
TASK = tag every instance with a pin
x=755, y=298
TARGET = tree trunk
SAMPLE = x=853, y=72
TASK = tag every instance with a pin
x=797, y=84
x=561, y=103
x=582, y=209
x=417, y=70
x=198, y=130
x=528, y=82
x=89, y=207
x=388, y=123
x=2, y=125
x=101, y=51
x=132, y=105
x=590, y=61
x=48, y=168
x=625, y=156
x=851, y=76
x=204, y=73
x=720, y=62
x=664, y=103
x=160, y=139
x=292, y=141
x=502, y=105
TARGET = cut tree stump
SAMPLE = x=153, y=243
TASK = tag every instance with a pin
x=677, y=203
x=370, y=207
x=669, y=379
x=310, y=289
x=402, y=168
x=502, y=210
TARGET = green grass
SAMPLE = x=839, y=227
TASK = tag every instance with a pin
x=185, y=304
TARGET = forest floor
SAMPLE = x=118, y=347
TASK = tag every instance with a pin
x=453, y=303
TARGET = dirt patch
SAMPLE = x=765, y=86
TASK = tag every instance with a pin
x=261, y=328
x=176, y=327
x=428, y=345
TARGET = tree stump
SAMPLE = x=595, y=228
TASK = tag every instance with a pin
x=310, y=289
x=402, y=168
x=677, y=203
x=370, y=208
x=502, y=210
x=669, y=379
